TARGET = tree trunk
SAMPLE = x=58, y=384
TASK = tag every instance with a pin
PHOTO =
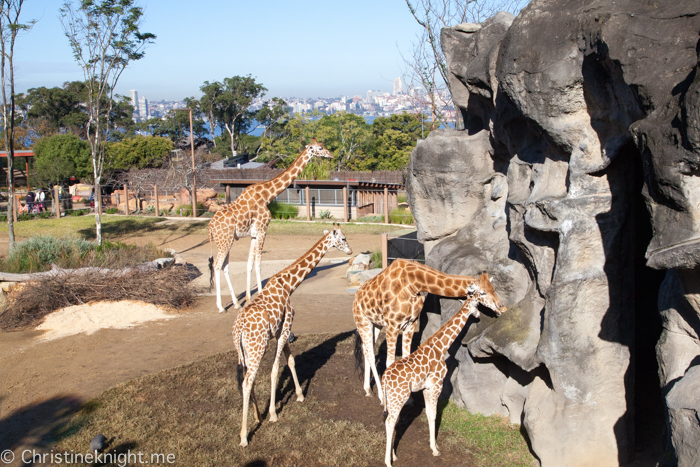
x=98, y=217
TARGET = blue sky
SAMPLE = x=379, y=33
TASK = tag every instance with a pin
x=301, y=48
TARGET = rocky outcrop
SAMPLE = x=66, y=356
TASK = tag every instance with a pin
x=569, y=110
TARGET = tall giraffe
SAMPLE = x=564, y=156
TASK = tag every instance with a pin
x=425, y=369
x=269, y=315
x=248, y=215
x=392, y=299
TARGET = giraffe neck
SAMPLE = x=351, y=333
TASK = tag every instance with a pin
x=425, y=279
x=446, y=335
x=301, y=268
x=283, y=180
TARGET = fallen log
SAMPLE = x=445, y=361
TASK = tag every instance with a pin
x=55, y=271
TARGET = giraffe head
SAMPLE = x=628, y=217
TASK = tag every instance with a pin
x=316, y=149
x=483, y=292
x=337, y=238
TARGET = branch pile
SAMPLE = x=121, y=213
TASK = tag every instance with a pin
x=34, y=300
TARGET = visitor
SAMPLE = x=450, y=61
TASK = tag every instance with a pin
x=40, y=196
x=30, y=201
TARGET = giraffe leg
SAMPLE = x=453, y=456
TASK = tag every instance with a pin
x=221, y=261
x=274, y=376
x=390, y=424
x=251, y=258
x=366, y=334
x=248, y=382
x=234, y=299
x=392, y=335
x=406, y=339
x=258, y=254
x=292, y=367
x=397, y=392
x=431, y=395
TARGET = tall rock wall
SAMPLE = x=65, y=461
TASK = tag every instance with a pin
x=569, y=109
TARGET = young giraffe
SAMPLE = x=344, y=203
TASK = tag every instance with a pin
x=392, y=299
x=269, y=315
x=248, y=215
x=425, y=369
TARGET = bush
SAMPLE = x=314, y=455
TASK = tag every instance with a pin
x=185, y=210
x=283, y=210
x=39, y=253
x=25, y=217
x=375, y=259
x=111, y=211
x=3, y=217
x=79, y=212
x=371, y=219
x=400, y=216
x=326, y=214
x=45, y=214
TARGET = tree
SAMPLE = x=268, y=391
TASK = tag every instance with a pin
x=207, y=104
x=394, y=139
x=426, y=63
x=232, y=105
x=57, y=109
x=10, y=27
x=105, y=38
x=59, y=157
x=271, y=118
x=139, y=152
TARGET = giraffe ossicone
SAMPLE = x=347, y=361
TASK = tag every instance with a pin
x=425, y=369
x=248, y=215
x=392, y=299
x=270, y=315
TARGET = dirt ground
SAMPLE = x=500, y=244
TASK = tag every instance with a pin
x=79, y=367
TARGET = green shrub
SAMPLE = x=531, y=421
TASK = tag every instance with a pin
x=400, y=216
x=326, y=214
x=283, y=210
x=375, y=259
x=401, y=198
x=45, y=214
x=25, y=217
x=39, y=253
x=371, y=219
x=185, y=210
x=111, y=210
x=3, y=217
x=79, y=212
x=164, y=212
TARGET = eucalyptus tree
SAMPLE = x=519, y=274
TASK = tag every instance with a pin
x=105, y=37
x=426, y=66
x=10, y=27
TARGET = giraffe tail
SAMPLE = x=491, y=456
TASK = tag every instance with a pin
x=359, y=355
x=241, y=368
x=211, y=273
x=385, y=414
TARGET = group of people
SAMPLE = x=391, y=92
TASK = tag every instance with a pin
x=35, y=201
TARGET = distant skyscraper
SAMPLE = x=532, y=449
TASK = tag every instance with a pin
x=135, y=100
x=398, y=86
x=144, y=111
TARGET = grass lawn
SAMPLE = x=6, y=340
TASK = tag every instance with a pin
x=194, y=412
x=115, y=227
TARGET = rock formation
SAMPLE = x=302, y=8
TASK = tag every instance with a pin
x=577, y=115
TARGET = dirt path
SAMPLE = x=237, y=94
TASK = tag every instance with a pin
x=82, y=366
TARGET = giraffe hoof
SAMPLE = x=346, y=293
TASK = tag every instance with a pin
x=222, y=310
x=244, y=442
x=300, y=397
x=436, y=453
x=273, y=417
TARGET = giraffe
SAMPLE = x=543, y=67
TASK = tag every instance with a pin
x=425, y=369
x=271, y=314
x=392, y=299
x=248, y=215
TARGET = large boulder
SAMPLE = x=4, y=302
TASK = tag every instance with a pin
x=566, y=108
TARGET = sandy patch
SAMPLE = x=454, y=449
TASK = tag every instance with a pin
x=90, y=318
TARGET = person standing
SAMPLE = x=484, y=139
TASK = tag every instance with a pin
x=29, y=200
x=40, y=196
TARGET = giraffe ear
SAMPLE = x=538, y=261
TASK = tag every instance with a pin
x=325, y=232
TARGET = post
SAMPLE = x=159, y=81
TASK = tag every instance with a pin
x=385, y=250
x=228, y=194
x=308, y=204
x=56, y=202
x=386, y=205
x=345, y=204
x=156, y=204
x=126, y=198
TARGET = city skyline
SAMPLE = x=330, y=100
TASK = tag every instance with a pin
x=310, y=49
